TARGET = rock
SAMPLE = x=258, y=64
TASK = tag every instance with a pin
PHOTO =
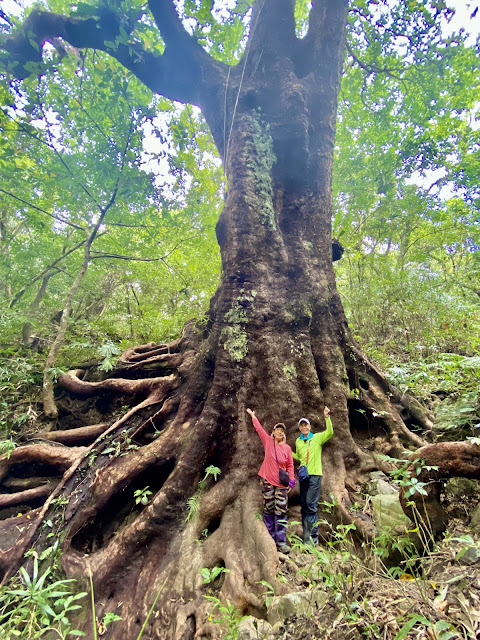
x=300, y=602
x=475, y=519
x=388, y=512
x=252, y=628
x=458, y=487
x=379, y=484
x=470, y=556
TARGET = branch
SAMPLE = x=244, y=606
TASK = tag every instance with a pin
x=323, y=46
x=33, y=206
x=272, y=27
x=177, y=74
x=373, y=68
x=439, y=462
x=45, y=271
x=169, y=24
x=322, y=12
x=51, y=145
x=117, y=256
x=129, y=226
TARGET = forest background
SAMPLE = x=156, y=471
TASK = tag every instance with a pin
x=109, y=198
x=406, y=213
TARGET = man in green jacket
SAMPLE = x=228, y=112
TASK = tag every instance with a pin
x=308, y=452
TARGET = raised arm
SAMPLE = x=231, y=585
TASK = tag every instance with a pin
x=258, y=427
x=328, y=433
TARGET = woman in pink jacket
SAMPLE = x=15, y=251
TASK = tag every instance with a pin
x=278, y=455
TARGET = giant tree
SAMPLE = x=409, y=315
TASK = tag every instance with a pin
x=276, y=337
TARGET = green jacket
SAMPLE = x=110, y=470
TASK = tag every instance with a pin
x=314, y=465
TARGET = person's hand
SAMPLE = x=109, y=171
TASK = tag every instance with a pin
x=251, y=413
x=288, y=490
x=326, y=411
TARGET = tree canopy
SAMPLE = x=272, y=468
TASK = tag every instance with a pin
x=133, y=132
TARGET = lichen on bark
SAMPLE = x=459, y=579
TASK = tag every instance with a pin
x=260, y=160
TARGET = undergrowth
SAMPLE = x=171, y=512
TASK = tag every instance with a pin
x=38, y=606
x=448, y=383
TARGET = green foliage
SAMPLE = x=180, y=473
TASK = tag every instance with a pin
x=107, y=619
x=212, y=470
x=405, y=474
x=408, y=275
x=31, y=606
x=193, y=503
x=331, y=566
x=19, y=380
x=55, y=372
x=226, y=615
x=62, y=144
x=7, y=446
x=411, y=237
x=289, y=370
x=269, y=592
x=119, y=447
x=209, y=575
x=141, y=495
x=450, y=377
x=193, y=506
x=110, y=617
x=388, y=542
x=412, y=620
x=108, y=351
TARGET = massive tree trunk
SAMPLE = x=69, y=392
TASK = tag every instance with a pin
x=276, y=339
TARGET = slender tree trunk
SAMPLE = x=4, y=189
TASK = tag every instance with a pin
x=5, y=248
x=33, y=309
x=49, y=404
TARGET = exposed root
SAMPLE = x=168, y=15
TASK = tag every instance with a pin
x=438, y=462
x=157, y=386
x=70, y=459
x=27, y=496
x=74, y=436
x=383, y=401
x=145, y=351
x=161, y=361
x=22, y=484
x=13, y=537
x=243, y=547
x=57, y=456
x=180, y=424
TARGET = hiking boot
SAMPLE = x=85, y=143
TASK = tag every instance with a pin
x=283, y=548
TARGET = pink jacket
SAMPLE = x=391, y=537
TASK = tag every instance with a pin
x=269, y=468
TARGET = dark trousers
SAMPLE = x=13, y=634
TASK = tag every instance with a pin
x=309, y=497
x=275, y=510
